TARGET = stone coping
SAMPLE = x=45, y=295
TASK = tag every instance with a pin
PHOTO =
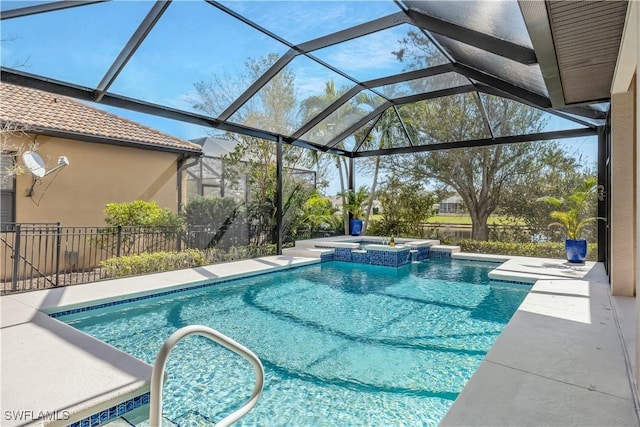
x=387, y=248
x=348, y=241
x=560, y=360
x=445, y=248
x=352, y=245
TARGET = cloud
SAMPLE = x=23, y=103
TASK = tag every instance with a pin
x=310, y=86
x=183, y=102
x=371, y=53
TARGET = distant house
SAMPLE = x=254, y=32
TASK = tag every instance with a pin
x=452, y=205
x=207, y=178
x=112, y=159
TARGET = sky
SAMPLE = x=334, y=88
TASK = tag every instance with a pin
x=194, y=41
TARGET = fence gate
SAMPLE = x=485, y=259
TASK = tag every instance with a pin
x=30, y=256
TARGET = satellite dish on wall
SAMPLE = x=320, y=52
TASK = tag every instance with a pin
x=36, y=166
x=34, y=163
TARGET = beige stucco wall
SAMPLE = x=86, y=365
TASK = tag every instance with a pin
x=623, y=194
x=98, y=174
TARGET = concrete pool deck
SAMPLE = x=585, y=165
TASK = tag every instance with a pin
x=559, y=361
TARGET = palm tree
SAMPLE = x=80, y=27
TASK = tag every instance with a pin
x=386, y=130
x=572, y=210
x=312, y=106
x=356, y=201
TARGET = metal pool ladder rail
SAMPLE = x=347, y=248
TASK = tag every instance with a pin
x=155, y=410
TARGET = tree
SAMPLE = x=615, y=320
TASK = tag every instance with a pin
x=356, y=201
x=386, y=133
x=557, y=173
x=152, y=228
x=275, y=108
x=405, y=207
x=318, y=212
x=209, y=219
x=12, y=136
x=313, y=105
x=574, y=211
x=479, y=175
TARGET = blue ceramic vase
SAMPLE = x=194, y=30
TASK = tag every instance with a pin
x=355, y=226
x=576, y=250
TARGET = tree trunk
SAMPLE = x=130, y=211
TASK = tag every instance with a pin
x=344, y=200
x=479, y=227
x=372, y=195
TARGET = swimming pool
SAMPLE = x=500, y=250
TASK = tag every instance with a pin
x=341, y=343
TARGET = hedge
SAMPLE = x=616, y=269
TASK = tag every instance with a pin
x=154, y=262
x=543, y=250
x=157, y=262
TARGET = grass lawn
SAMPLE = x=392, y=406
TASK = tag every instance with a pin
x=459, y=219
x=466, y=219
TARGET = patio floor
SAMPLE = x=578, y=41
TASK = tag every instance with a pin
x=559, y=361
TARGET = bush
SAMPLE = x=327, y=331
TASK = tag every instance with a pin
x=542, y=250
x=145, y=227
x=140, y=213
x=238, y=252
x=156, y=262
x=215, y=222
x=211, y=211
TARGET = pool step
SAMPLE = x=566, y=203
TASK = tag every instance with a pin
x=307, y=252
x=138, y=418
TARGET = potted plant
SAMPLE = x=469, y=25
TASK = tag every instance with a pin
x=572, y=213
x=355, y=204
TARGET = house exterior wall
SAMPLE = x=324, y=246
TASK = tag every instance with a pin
x=98, y=174
x=622, y=221
x=626, y=85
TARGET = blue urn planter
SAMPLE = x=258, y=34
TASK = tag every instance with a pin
x=355, y=227
x=576, y=250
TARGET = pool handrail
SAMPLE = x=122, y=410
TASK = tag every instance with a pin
x=157, y=375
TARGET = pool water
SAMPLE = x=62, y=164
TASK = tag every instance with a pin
x=341, y=343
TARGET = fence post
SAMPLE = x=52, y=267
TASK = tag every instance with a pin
x=179, y=237
x=119, y=241
x=16, y=259
x=58, y=245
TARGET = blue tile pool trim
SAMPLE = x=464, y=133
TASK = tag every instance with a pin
x=326, y=257
x=440, y=254
x=423, y=253
x=486, y=261
x=184, y=288
x=113, y=412
x=381, y=257
x=342, y=254
x=515, y=282
x=372, y=256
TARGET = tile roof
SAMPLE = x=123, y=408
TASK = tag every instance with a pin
x=41, y=111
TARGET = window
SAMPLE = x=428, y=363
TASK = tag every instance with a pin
x=7, y=191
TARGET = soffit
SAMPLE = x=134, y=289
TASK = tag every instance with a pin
x=587, y=36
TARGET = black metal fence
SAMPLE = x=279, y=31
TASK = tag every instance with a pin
x=39, y=256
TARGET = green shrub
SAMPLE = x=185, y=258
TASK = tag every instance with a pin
x=542, y=250
x=145, y=227
x=211, y=211
x=155, y=262
x=141, y=213
x=238, y=252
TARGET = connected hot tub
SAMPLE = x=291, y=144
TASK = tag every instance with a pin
x=376, y=250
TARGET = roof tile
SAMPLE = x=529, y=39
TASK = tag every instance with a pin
x=39, y=110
